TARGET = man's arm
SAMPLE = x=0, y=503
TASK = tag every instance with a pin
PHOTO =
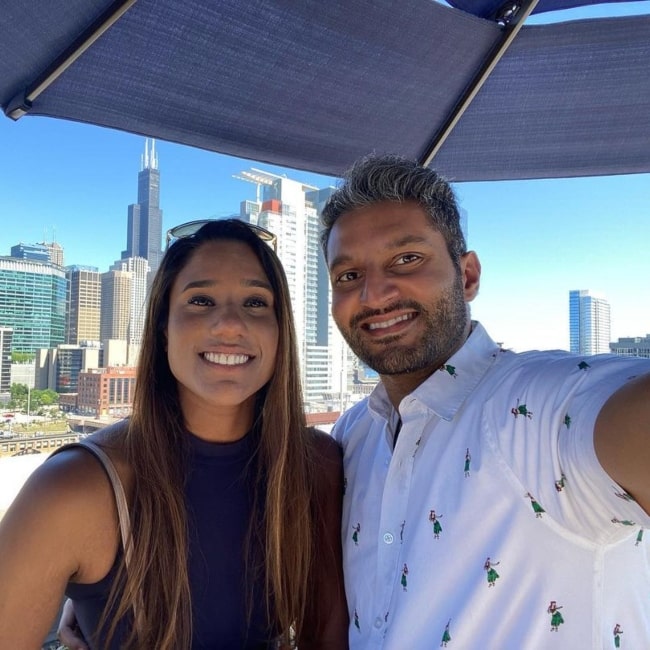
x=622, y=438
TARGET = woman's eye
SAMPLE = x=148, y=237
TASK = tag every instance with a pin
x=256, y=302
x=201, y=301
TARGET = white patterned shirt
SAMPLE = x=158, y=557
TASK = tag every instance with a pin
x=492, y=525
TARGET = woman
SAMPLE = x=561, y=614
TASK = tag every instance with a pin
x=234, y=504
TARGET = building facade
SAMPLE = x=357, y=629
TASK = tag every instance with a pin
x=6, y=337
x=58, y=368
x=589, y=323
x=106, y=392
x=138, y=269
x=117, y=287
x=32, y=303
x=632, y=346
x=84, y=302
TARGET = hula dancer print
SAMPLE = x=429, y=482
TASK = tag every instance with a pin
x=623, y=522
x=437, y=528
x=556, y=617
x=446, y=637
x=403, y=581
x=617, y=635
x=356, y=620
x=492, y=575
x=468, y=460
x=537, y=509
x=521, y=409
x=355, y=534
x=450, y=369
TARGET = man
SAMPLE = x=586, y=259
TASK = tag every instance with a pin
x=559, y=448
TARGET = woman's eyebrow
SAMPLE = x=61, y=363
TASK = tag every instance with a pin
x=252, y=282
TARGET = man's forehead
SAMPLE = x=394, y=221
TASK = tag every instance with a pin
x=343, y=245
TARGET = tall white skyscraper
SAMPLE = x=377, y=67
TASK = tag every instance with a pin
x=289, y=209
x=589, y=322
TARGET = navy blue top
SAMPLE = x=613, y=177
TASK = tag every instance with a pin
x=219, y=498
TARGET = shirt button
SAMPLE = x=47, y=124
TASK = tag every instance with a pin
x=388, y=538
x=378, y=622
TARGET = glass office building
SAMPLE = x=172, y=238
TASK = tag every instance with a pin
x=32, y=303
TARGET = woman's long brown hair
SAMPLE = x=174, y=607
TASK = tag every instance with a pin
x=156, y=445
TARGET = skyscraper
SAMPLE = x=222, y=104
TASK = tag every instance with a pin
x=117, y=287
x=84, y=301
x=144, y=229
x=289, y=209
x=589, y=322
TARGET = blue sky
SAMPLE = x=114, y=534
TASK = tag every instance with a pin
x=536, y=239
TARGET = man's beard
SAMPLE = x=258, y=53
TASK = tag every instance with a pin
x=443, y=331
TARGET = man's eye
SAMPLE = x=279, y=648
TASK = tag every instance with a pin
x=407, y=258
x=348, y=276
x=200, y=301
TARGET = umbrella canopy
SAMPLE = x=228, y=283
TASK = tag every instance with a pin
x=312, y=85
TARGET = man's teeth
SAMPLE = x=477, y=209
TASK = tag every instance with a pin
x=388, y=323
x=226, y=359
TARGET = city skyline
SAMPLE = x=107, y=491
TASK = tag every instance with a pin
x=536, y=239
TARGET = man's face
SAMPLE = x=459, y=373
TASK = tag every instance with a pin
x=396, y=296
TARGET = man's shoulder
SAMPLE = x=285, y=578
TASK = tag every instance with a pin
x=350, y=418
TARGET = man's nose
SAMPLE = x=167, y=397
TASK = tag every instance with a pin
x=378, y=289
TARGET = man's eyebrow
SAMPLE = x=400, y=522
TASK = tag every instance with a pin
x=203, y=284
x=398, y=242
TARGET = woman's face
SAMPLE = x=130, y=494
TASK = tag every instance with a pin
x=222, y=334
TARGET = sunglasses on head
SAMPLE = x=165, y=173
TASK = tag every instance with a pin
x=192, y=227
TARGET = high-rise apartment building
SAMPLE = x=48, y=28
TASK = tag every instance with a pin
x=289, y=209
x=84, y=301
x=589, y=322
x=144, y=230
x=32, y=303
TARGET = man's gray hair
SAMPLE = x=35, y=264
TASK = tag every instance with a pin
x=392, y=178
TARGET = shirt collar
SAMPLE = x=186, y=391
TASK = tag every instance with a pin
x=447, y=388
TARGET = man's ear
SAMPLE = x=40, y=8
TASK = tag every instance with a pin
x=470, y=267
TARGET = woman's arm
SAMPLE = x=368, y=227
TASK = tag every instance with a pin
x=67, y=631
x=60, y=527
x=326, y=617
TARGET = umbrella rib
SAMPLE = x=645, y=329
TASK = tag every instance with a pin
x=22, y=102
x=510, y=31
